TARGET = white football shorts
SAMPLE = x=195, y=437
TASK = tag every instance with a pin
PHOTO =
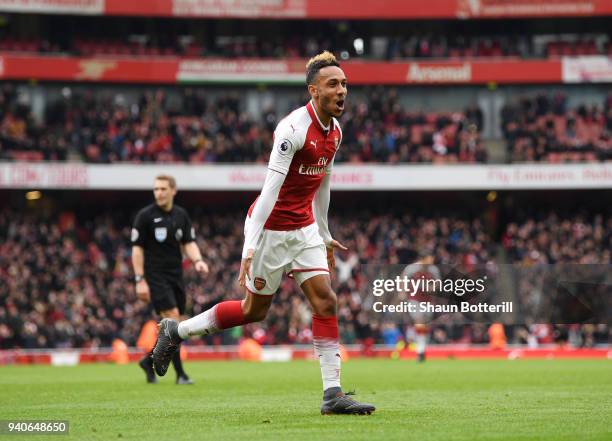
x=299, y=253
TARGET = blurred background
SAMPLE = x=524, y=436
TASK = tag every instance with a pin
x=481, y=129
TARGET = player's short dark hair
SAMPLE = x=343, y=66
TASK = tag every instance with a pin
x=170, y=179
x=318, y=62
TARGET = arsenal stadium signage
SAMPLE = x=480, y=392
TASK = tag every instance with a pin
x=291, y=71
x=582, y=69
x=317, y=9
x=593, y=69
x=430, y=73
x=240, y=70
x=80, y=7
x=39, y=176
x=240, y=8
x=528, y=8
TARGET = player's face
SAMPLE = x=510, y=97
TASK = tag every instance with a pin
x=164, y=194
x=331, y=90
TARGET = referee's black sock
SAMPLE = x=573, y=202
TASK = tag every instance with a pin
x=177, y=363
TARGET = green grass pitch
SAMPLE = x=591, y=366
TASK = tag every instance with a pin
x=439, y=400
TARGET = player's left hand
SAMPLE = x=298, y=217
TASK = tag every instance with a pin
x=245, y=268
x=331, y=259
x=201, y=267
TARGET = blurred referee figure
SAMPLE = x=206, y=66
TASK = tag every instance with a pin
x=161, y=234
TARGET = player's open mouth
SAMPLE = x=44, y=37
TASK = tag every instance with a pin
x=340, y=104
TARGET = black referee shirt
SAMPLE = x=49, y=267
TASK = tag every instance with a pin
x=160, y=233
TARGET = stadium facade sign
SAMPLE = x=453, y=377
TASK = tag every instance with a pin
x=317, y=9
x=432, y=73
x=592, y=69
x=240, y=8
x=529, y=8
x=119, y=69
x=223, y=70
x=15, y=175
x=70, y=357
x=78, y=7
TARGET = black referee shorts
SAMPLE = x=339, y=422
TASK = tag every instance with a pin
x=167, y=291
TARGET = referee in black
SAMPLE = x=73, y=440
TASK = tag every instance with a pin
x=162, y=233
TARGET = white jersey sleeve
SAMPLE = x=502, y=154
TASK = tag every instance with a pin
x=320, y=205
x=288, y=139
x=321, y=201
x=263, y=207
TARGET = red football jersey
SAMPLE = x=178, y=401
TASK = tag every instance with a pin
x=304, y=151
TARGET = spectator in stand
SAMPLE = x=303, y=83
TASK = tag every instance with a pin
x=550, y=239
x=197, y=129
x=289, y=44
x=378, y=129
x=541, y=128
x=66, y=282
x=190, y=127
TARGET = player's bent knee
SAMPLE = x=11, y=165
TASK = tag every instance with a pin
x=254, y=312
x=255, y=307
x=251, y=316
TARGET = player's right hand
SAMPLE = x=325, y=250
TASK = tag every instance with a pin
x=331, y=259
x=245, y=268
x=142, y=291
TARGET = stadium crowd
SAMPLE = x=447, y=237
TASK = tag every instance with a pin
x=104, y=129
x=191, y=127
x=543, y=128
x=66, y=281
x=346, y=42
x=548, y=249
x=552, y=239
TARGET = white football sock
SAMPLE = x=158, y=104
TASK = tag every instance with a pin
x=328, y=351
x=202, y=324
x=421, y=341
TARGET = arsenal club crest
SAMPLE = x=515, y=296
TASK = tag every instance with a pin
x=259, y=283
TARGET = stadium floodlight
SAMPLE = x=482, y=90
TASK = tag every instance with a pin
x=358, y=45
x=33, y=195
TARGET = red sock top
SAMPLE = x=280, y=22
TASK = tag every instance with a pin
x=229, y=314
x=325, y=327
